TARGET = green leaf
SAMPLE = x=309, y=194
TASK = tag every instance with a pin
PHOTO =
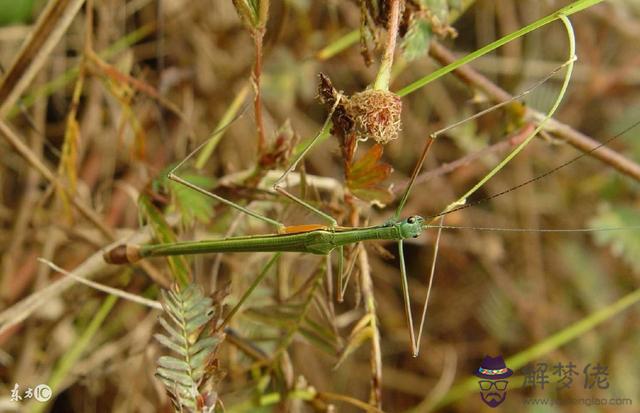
x=175, y=376
x=197, y=322
x=206, y=342
x=415, y=43
x=15, y=11
x=167, y=342
x=191, y=205
x=186, y=310
x=168, y=328
x=173, y=363
x=195, y=308
x=164, y=234
x=199, y=359
x=365, y=177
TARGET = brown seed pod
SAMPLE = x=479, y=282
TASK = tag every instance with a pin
x=376, y=114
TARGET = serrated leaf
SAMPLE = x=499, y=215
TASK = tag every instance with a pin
x=377, y=196
x=191, y=205
x=365, y=176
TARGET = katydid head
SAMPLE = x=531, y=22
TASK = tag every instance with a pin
x=411, y=227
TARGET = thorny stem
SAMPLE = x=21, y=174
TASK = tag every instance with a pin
x=384, y=73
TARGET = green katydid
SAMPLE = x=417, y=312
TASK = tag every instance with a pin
x=315, y=239
x=323, y=239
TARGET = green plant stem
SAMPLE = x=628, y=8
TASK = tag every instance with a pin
x=572, y=49
x=546, y=346
x=70, y=358
x=565, y=11
x=249, y=290
x=70, y=74
x=258, y=36
x=338, y=45
x=351, y=38
x=220, y=128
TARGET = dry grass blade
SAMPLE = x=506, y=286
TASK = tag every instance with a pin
x=101, y=109
x=47, y=32
x=90, y=268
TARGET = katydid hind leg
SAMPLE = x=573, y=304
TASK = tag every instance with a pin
x=433, y=136
x=173, y=176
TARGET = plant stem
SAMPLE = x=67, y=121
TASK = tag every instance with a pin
x=258, y=36
x=384, y=73
x=575, y=138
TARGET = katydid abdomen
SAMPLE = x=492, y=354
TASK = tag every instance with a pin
x=320, y=242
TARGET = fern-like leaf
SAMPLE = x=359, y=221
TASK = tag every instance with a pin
x=189, y=323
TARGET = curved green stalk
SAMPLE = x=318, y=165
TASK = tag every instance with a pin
x=519, y=148
x=565, y=11
x=546, y=346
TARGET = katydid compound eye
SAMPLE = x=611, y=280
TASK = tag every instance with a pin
x=411, y=220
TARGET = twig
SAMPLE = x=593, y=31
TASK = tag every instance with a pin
x=258, y=36
x=50, y=27
x=36, y=163
x=375, y=396
x=576, y=139
x=384, y=73
x=104, y=288
x=498, y=147
x=92, y=266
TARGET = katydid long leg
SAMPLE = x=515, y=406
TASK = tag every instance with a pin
x=323, y=239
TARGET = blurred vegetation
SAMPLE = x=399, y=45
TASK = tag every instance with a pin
x=127, y=90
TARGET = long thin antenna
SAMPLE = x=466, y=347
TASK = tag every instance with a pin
x=549, y=230
x=434, y=135
x=542, y=175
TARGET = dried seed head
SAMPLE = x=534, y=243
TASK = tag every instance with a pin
x=376, y=114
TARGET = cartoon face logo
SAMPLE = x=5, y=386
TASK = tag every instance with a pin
x=493, y=386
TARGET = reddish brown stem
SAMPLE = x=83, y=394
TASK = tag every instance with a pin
x=384, y=73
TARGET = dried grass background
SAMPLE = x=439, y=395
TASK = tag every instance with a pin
x=147, y=101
